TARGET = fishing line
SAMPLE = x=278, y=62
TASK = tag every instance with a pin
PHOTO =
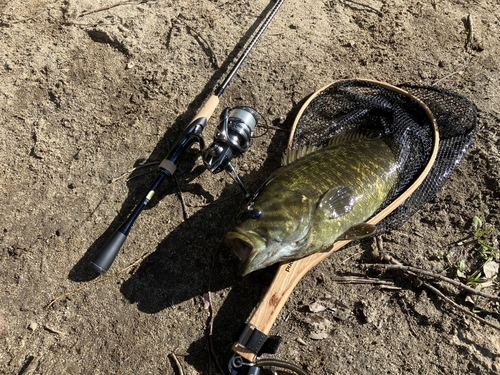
x=231, y=139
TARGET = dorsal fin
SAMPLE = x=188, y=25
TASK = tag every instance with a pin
x=290, y=155
x=350, y=136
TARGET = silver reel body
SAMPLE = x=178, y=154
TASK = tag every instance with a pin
x=232, y=138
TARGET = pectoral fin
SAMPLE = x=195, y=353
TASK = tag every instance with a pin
x=337, y=201
x=358, y=231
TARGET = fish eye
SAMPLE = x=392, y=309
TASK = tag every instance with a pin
x=255, y=214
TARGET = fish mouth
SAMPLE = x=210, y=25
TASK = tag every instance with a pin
x=245, y=245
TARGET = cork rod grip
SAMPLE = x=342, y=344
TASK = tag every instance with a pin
x=208, y=108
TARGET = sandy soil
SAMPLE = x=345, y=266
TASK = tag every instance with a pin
x=93, y=94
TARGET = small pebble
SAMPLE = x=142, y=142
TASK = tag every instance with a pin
x=301, y=341
x=318, y=335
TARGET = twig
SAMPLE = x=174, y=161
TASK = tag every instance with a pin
x=132, y=170
x=179, y=191
x=23, y=19
x=177, y=363
x=350, y=257
x=110, y=7
x=212, y=56
x=361, y=280
x=101, y=279
x=365, y=6
x=52, y=330
x=436, y=276
x=210, y=309
x=463, y=309
x=447, y=76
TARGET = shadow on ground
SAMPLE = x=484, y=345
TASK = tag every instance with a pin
x=81, y=272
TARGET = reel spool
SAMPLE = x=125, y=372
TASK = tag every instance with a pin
x=232, y=138
x=410, y=116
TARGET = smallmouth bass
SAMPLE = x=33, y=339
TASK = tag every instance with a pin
x=317, y=197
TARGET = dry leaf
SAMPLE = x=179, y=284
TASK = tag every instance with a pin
x=316, y=307
x=490, y=269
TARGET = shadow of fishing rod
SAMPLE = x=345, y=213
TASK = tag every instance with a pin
x=186, y=266
x=192, y=254
x=116, y=234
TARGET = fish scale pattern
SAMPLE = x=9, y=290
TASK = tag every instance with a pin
x=401, y=119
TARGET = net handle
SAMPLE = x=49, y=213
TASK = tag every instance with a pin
x=289, y=274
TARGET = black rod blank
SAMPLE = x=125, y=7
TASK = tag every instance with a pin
x=220, y=89
x=107, y=254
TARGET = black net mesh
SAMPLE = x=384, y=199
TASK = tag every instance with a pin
x=369, y=107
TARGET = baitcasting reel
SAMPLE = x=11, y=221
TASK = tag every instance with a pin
x=232, y=138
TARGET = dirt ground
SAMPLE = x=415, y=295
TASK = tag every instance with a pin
x=93, y=94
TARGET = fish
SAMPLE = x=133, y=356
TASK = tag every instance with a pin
x=317, y=196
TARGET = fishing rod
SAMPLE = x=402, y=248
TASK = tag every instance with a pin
x=232, y=138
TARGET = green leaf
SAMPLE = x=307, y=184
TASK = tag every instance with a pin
x=462, y=266
x=483, y=233
x=476, y=223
